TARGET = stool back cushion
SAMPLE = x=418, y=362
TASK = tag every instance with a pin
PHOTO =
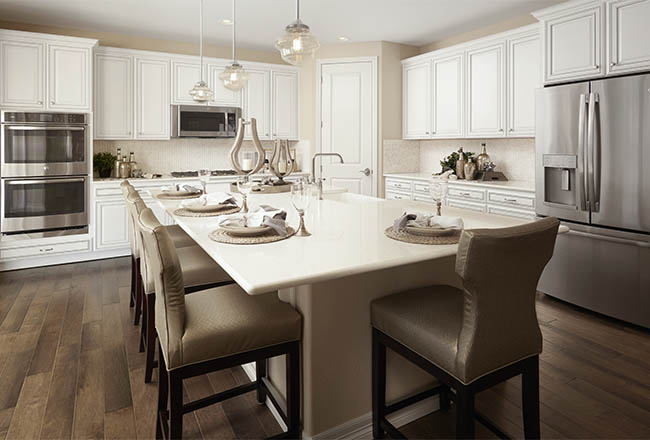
x=163, y=265
x=136, y=205
x=131, y=195
x=500, y=269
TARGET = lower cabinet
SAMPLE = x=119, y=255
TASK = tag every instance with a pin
x=111, y=224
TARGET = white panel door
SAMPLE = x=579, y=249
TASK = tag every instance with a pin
x=113, y=117
x=348, y=125
x=257, y=102
x=486, y=97
x=184, y=76
x=152, y=98
x=284, y=105
x=417, y=100
x=112, y=224
x=448, y=105
x=524, y=77
x=573, y=48
x=628, y=35
x=69, y=77
x=22, y=73
x=222, y=95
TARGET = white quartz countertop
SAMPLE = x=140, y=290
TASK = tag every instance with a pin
x=347, y=239
x=515, y=185
x=168, y=178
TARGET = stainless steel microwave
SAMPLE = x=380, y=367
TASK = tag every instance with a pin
x=204, y=121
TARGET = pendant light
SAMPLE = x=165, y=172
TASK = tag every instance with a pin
x=297, y=43
x=234, y=76
x=201, y=92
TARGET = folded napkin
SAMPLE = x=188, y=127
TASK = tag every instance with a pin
x=176, y=187
x=264, y=215
x=423, y=220
x=217, y=198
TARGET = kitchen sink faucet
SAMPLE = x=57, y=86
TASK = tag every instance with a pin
x=319, y=181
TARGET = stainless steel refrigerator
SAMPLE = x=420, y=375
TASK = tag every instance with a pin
x=593, y=173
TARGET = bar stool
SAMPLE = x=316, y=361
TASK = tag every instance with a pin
x=474, y=338
x=215, y=329
x=199, y=270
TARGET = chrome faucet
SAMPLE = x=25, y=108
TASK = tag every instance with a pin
x=319, y=181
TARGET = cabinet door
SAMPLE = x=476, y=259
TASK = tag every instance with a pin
x=152, y=98
x=486, y=96
x=22, y=74
x=524, y=76
x=629, y=36
x=257, y=98
x=222, y=95
x=417, y=100
x=573, y=48
x=69, y=77
x=112, y=224
x=113, y=97
x=448, y=103
x=184, y=76
x=284, y=105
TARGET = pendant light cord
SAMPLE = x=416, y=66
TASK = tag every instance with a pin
x=201, y=39
x=234, y=21
x=297, y=10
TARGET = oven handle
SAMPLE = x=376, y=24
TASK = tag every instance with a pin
x=34, y=127
x=34, y=182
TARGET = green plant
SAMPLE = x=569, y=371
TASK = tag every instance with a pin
x=449, y=162
x=104, y=162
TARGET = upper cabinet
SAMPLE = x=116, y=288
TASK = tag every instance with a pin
x=524, y=77
x=416, y=94
x=184, y=76
x=591, y=39
x=448, y=100
x=257, y=102
x=486, y=91
x=45, y=72
x=284, y=104
x=222, y=95
x=113, y=96
x=152, y=98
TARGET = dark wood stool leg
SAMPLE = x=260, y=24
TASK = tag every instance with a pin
x=464, y=413
x=444, y=398
x=175, y=405
x=378, y=386
x=132, y=300
x=163, y=391
x=530, y=398
x=293, y=391
x=143, y=327
x=139, y=290
x=260, y=372
x=150, y=342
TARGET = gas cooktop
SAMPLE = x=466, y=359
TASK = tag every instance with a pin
x=196, y=173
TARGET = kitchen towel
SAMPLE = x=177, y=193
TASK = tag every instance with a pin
x=216, y=198
x=266, y=215
x=424, y=220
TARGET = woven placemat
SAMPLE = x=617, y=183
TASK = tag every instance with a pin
x=222, y=236
x=165, y=196
x=184, y=212
x=404, y=236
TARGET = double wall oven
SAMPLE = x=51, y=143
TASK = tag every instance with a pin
x=45, y=174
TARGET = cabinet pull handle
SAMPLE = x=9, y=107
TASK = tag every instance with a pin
x=510, y=200
x=46, y=249
x=465, y=194
x=501, y=130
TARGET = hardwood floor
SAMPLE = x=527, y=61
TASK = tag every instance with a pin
x=70, y=368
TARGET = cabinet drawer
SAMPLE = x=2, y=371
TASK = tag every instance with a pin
x=512, y=199
x=44, y=249
x=108, y=191
x=467, y=194
x=421, y=187
x=422, y=198
x=528, y=215
x=478, y=207
x=400, y=185
x=397, y=196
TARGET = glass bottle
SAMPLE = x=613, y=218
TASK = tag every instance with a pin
x=460, y=164
x=118, y=162
x=482, y=159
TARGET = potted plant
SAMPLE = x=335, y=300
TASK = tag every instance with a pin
x=449, y=162
x=104, y=163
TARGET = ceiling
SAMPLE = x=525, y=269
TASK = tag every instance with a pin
x=260, y=22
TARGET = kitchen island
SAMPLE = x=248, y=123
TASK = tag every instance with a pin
x=331, y=277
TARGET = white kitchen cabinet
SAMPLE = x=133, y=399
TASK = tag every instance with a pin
x=22, y=74
x=222, y=96
x=628, y=36
x=257, y=102
x=486, y=97
x=113, y=97
x=152, y=98
x=284, y=104
x=183, y=77
x=448, y=106
x=69, y=77
x=416, y=108
x=524, y=77
x=111, y=224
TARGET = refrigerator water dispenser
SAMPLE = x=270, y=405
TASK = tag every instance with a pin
x=559, y=179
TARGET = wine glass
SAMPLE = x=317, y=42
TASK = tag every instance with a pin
x=300, y=197
x=438, y=191
x=204, y=177
x=244, y=186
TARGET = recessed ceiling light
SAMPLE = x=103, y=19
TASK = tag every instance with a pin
x=225, y=21
x=343, y=39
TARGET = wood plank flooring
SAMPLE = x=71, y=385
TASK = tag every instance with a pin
x=70, y=368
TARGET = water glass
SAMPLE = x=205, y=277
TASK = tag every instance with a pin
x=438, y=190
x=301, y=197
x=244, y=186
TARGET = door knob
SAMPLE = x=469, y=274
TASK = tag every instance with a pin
x=366, y=171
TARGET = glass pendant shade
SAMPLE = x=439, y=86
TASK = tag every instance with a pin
x=234, y=77
x=201, y=92
x=297, y=43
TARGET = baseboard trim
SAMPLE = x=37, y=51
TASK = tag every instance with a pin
x=361, y=427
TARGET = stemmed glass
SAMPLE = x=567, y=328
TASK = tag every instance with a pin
x=438, y=191
x=244, y=186
x=300, y=197
x=204, y=177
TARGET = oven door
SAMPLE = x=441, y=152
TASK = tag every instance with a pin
x=39, y=205
x=42, y=150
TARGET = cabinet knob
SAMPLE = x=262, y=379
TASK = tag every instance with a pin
x=426, y=132
x=52, y=102
x=128, y=132
x=501, y=130
x=612, y=64
x=40, y=102
x=597, y=66
x=511, y=130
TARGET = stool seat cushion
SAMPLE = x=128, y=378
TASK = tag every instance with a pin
x=226, y=320
x=427, y=320
x=179, y=237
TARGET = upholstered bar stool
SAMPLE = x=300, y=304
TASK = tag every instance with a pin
x=199, y=271
x=215, y=329
x=474, y=338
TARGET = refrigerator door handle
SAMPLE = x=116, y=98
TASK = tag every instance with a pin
x=582, y=154
x=642, y=244
x=593, y=140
